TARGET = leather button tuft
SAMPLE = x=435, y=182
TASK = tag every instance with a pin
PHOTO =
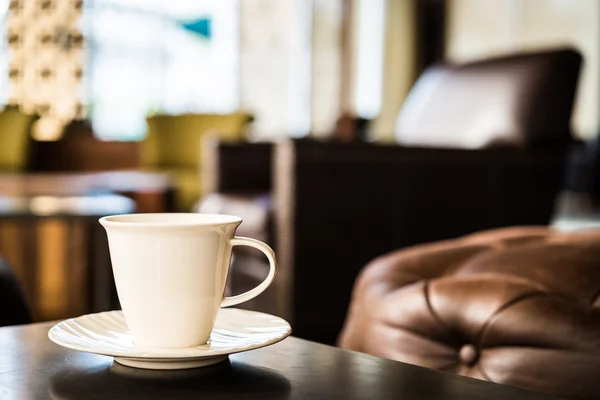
x=468, y=354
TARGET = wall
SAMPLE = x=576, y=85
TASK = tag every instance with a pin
x=275, y=65
x=379, y=62
x=483, y=28
x=291, y=66
x=327, y=59
x=398, y=66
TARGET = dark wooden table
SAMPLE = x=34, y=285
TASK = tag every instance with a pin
x=32, y=367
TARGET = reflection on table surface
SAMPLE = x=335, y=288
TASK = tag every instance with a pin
x=150, y=191
x=73, y=184
x=42, y=206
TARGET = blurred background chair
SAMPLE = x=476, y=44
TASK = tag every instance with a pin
x=15, y=129
x=516, y=306
x=173, y=144
x=330, y=207
x=518, y=100
x=79, y=150
x=13, y=308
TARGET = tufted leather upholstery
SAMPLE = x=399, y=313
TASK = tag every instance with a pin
x=516, y=306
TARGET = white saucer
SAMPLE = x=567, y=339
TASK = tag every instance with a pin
x=107, y=334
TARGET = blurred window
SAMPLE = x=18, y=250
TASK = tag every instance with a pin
x=148, y=56
x=370, y=37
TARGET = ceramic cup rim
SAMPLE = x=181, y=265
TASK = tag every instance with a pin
x=165, y=220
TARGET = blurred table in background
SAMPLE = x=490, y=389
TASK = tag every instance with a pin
x=151, y=191
x=50, y=234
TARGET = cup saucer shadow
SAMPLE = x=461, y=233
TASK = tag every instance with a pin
x=235, y=380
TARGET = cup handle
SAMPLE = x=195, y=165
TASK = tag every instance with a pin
x=257, y=244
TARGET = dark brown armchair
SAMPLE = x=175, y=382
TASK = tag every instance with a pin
x=328, y=208
x=516, y=306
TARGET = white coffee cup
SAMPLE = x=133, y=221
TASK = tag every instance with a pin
x=170, y=271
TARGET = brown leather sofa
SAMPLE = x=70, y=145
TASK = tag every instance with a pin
x=328, y=208
x=516, y=306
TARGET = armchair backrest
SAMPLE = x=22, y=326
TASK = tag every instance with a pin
x=337, y=206
x=522, y=100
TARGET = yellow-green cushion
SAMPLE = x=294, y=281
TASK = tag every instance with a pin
x=187, y=186
x=173, y=144
x=14, y=139
x=174, y=140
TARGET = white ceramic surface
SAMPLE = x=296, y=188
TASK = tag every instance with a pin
x=107, y=334
x=170, y=272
